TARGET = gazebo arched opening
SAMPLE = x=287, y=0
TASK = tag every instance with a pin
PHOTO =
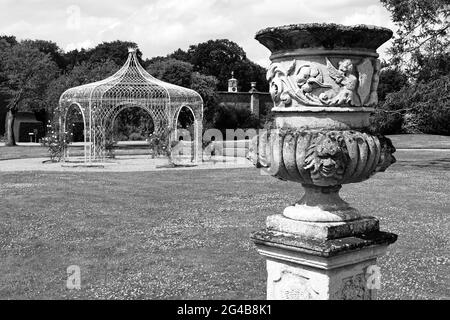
x=186, y=126
x=73, y=124
x=130, y=122
x=185, y=119
x=131, y=86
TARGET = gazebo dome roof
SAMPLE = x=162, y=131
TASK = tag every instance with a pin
x=131, y=82
x=100, y=102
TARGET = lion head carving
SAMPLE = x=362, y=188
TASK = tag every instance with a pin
x=326, y=159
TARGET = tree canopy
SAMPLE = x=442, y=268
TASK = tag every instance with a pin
x=414, y=85
x=172, y=71
x=423, y=32
x=50, y=48
x=26, y=73
x=83, y=73
x=421, y=107
x=182, y=73
x=116, y=51
x=219, y=58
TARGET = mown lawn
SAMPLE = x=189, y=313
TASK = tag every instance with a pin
x=22, y=152
x=25, y=152
x=400, y=141
x=185, y=234
x=420, y=141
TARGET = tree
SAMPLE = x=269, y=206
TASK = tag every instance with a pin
x=230, y=117
x=219, y=58
x=391, y=80
x=206, y=86
x=433, y=67
x=83, y=73
x=423, y=29
x=7, y=41
x=76, y=57
x=181, y=73
x=116, y=51
x=414, y=91
x=173, y=71
x=216, y=57
x=423, y=107
x=181, y=55
x=26, y=72
x=51, y=48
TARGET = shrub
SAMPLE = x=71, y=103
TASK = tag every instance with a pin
x=110, y=146
x=56, y=144
x=160, y=144
x=419, y=108
x=228, y=117
x=386, y=121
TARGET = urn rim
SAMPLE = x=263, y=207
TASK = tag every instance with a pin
x=325, y=36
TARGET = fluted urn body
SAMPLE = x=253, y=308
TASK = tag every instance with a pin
x=323, y=81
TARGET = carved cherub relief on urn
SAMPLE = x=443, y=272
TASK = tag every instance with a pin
x=323, y=81
x=323, y=64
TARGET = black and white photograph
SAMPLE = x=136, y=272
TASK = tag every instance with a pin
x=224, y=155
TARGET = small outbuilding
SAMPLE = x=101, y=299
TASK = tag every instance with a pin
x=27, y=128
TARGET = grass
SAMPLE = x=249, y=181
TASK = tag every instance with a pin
x=404, y=141
x=185, y=234
x=420, y=141
x=25, y=152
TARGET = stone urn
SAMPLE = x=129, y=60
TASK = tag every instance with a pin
x=323, y=81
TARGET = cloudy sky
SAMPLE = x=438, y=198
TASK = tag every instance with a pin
x=161, y=26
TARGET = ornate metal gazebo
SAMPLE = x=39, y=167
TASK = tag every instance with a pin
x=100, y=102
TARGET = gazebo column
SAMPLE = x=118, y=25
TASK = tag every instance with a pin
x=198, y=140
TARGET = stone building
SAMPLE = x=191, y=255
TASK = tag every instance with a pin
x=257, y=102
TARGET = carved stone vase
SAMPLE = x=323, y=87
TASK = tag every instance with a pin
x=323, y=81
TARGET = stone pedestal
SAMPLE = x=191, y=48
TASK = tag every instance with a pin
x=322, y=261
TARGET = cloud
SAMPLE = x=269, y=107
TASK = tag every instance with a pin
x=162, y=26
x=79, y=45
x=374, y=15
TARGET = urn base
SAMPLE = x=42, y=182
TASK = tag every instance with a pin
x=323, y=230
x=321, y=204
